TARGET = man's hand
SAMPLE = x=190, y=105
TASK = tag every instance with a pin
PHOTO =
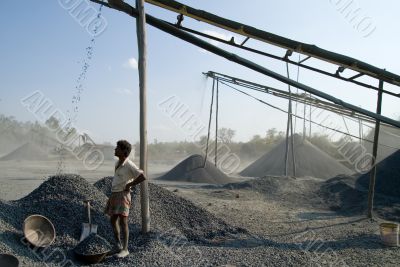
x=128, y=187
x=138, y=180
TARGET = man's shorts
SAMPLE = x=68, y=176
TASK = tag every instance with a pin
x=119, y=204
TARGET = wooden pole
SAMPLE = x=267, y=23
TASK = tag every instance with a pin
x=144, y=187
x=216, y=124
x=287, y=140
x=371, y=190
x=289, y=128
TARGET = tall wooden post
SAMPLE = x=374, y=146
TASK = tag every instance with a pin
x=371, y=190
x=289, y=128
x=144, y=187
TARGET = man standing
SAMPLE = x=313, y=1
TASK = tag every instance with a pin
x=126, y=176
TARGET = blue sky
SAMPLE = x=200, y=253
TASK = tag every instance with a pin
x=43, y=48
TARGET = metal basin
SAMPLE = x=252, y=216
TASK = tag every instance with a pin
x=39, y=231
x=91, y=259
x=7, y=260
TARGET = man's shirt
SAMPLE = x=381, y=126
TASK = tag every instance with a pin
x=124, y=175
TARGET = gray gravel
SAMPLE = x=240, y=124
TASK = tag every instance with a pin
x=310, y=161
x=169, y=211
x=184, y=234
x=93, y=245
x=191, y=170
x=387, y=176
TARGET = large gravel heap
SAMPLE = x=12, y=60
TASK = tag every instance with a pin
x=344, y=195
x=387, y=176
x=60, y=198
x=27, y=151
x=310, y=161
x=191, y=170
x=169, y=211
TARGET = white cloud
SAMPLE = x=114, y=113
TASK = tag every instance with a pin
x=123, y=91
x=131, y=63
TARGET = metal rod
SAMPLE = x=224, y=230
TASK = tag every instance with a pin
x=298, y=98
x=245, y=40
x=304, y=59
x=144, y=190
x=356, y=76
x=371, y=190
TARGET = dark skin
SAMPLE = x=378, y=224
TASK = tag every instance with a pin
x=118, y=220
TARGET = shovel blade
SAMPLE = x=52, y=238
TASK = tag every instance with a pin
x=87, y=229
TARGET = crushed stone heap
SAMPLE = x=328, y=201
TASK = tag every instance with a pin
x=387, y=176
x=191, y=170
x=27, y=151
x=310, y=161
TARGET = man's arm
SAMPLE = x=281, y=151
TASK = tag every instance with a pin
x=138, y=180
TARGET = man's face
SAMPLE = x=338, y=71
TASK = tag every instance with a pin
x=118, y=152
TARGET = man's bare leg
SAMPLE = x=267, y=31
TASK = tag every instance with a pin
x=125, y=233
x=116, y=229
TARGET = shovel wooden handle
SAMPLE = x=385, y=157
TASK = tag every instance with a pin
x=88, y=213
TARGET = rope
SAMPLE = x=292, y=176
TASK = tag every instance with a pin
x=303, y=118
x=209, y=123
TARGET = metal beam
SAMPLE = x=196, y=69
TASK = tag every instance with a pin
x=301, y=98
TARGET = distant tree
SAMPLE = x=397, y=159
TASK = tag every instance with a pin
x=52, y=123
x=225, y=135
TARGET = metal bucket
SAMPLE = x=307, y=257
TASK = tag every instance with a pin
x=7, y=260
x=91, y=259
x=389, y=234
x=39, y=231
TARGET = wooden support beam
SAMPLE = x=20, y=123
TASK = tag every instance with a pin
x=144, y=188
x=247, y=63
x=371, y=190
x=285, y=43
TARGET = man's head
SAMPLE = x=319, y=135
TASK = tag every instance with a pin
x=123, y=149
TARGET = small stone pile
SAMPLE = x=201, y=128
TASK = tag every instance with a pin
x=93, y=245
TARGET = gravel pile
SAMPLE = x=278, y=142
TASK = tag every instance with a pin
x=61, y=199
x=344, y=195
x=310, y=161
x=192, y=170
x=169, y=211
x=341, y=195
x=27, y=151
x=93, y=245
x=387, y=176
x=289, y=190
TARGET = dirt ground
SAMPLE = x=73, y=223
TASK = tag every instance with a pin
x=321, y=235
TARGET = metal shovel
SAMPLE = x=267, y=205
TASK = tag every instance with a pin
x=88, y=228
